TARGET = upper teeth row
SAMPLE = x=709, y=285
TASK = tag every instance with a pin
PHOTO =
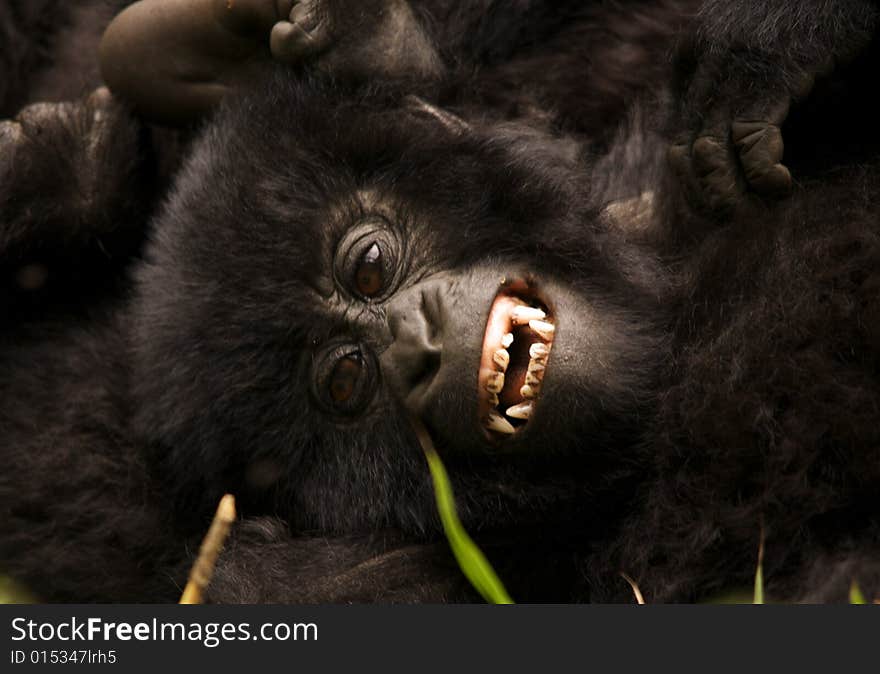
x=538, y=353
x=522, y=314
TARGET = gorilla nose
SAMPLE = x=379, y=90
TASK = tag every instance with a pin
x=412, y=360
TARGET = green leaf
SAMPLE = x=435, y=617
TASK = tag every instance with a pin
x=13, y=593
x=470, y=558
x=855, y=594
x=758, y=597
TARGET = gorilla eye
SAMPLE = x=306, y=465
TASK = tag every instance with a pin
x=366, y=263
x=369, y=276
x=344, y=378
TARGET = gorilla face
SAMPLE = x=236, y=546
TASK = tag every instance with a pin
x=329, y=267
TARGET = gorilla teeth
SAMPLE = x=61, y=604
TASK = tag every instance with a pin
x=521, y=411
x=495, y=382
x=495, y=422
x=520, y=315
x=535, y=374
x=539, y=352
x=543, y=329
x=529, y=392
x=518, y=324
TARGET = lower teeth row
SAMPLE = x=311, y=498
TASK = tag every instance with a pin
x=494, y=381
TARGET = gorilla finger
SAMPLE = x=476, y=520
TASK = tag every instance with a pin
x=303, y=36
x=289, y=43
x=760, y=148
x=303, y=14
x=773, y=183
x=716, y=172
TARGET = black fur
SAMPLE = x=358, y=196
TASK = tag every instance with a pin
x=744, y=397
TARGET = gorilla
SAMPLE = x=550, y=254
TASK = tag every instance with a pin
x=624, y=368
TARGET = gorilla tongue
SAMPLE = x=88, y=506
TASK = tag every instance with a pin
x=516, y=346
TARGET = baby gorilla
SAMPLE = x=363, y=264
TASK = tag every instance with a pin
x=302, y=296
x=288, y=377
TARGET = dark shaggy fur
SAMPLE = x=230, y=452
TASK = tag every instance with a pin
x=732, y=385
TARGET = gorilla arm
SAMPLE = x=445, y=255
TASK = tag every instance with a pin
x=263, y=563
x=740, y=70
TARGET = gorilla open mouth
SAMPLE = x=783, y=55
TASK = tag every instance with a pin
x=516, y=347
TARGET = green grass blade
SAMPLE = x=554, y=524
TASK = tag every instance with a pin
x=13, y=593
x=758, y=597
x=470, y=558
x=855, y=594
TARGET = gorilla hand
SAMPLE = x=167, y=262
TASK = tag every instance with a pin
x=741, y=70
x=175, y=59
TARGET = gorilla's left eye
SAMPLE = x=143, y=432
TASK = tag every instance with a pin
x=344, y=378
x=366, y=261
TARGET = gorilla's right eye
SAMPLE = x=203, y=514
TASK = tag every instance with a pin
x=366, y=261
x=344, y=379
x=369, y=277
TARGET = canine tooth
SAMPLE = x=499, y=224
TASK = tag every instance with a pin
x=522, y=314
x=521, y=411
x=501, y=358
x=539, y=350
x=495, y=422
x=507, y=340
x=545, y=330
x=495, y=382
x=529, y=392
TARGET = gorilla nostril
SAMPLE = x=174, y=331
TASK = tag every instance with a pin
x=423, y=370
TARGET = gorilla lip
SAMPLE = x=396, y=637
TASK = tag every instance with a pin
x=516, y=347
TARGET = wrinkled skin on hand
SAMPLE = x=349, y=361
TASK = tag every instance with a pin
x=738, y=79
x=174, y=60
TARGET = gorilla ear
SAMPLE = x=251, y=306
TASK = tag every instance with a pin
x=634, y=214
x=452, y=123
